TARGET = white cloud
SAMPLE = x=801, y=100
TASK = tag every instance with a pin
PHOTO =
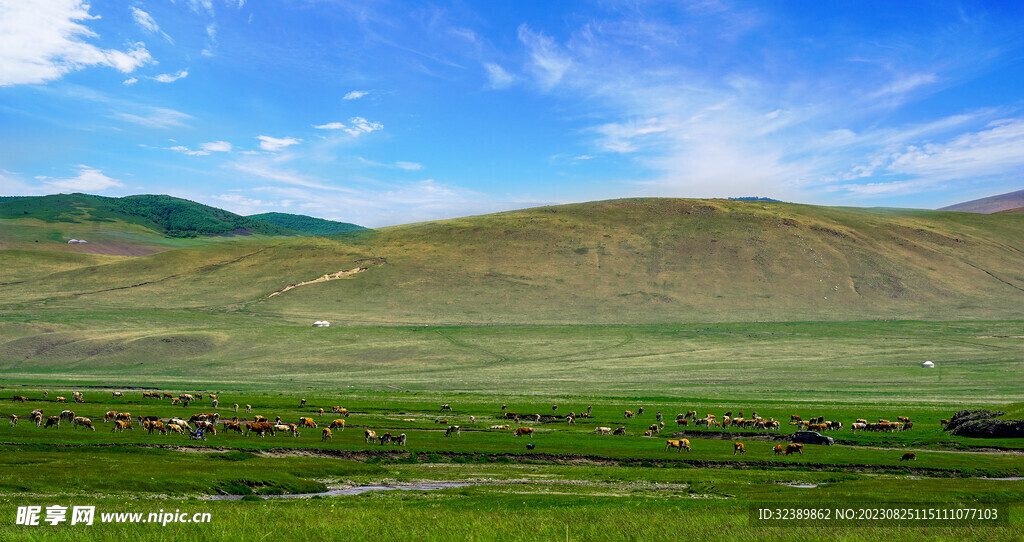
x=155, y=117
x=330, y=126
x=170, y=78
x=997, y=150
x=129, y=81
x=407, y=166
x=361, y=126
x=904, y=84
x=357, y=126
x=272, y=144
x=199, y=6
x=147, y=23
x=42, y=41
x=622, y=137
x=497, y=77
x=88, y=180
x=355, y=95
x=548, y=62
x=185, y=150
x=216, y=146
x=204, y=148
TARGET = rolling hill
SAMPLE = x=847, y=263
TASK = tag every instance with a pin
x=306, y=224
x=1009, y=202
x=132, y=225
x=621, y=261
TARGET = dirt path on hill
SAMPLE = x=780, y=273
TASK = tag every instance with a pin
x=330, y=276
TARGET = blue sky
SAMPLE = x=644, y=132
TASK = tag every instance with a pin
x=383, y=112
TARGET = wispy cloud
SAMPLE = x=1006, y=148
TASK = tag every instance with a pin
x=205, y=149
x=274, y=144
x=360, y=126
x=548, y=61
x=42, y=41
x=129, y=81
x=88, y=180
x=154, y=117
x=330, y=126
x=407, y=166
x=170, y=78
x=357, y=126
x=355, y=95
x=216, y=146
x=968, y=157
x=497, y=77
x=145, y=20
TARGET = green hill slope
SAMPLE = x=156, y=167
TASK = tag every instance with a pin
x=306, y=224
x=622, y=261
x=173, y=217
x=132, y=225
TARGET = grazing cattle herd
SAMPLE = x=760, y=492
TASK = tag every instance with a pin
x=200, y=425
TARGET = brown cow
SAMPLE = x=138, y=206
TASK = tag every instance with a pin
x=620, y=430
x=679, y=445
x=778, y=449
x=307, y=422
x=627, y=414
x=83, y=421
x=909, y=456
x=524, y=431
x=738, y=448
x=798, y=448
x=52, y=420
x=369, y=435
x=327, y=434
x=174, y=427
x=20, y=398
x=338, y=423
x=14, y=420
x=399, y=440
x=261, y=429
x=120, y=426
x=458, y=431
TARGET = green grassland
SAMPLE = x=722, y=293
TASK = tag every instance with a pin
x=624, y=261
x=670, y=305
x=575, y=482
x=759, y=363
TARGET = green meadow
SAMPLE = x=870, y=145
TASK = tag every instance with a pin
x=667, y=305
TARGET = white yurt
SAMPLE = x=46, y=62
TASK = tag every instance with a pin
x=323, y=323
x=928, y=365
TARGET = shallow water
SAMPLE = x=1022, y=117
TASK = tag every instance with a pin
x=428, y=486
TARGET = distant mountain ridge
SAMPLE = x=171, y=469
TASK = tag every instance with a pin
x=170, y=216
x=1009, y=202
x=307, y=224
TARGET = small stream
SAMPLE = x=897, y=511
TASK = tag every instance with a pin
x=427, y=486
